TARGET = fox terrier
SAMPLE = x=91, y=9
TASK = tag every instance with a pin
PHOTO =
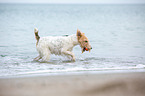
x=60, y=45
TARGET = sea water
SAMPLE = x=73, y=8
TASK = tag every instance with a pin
x=116, y=34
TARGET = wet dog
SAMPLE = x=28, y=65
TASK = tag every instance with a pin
x=60, y=45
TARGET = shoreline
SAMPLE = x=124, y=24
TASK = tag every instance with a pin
x=39, y=74
x=105, y=84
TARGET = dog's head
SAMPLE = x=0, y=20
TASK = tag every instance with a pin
x=84, y=42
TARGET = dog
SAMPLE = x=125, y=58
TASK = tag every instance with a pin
x=60, y=45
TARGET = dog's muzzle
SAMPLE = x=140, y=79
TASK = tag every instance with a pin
x=86, y=49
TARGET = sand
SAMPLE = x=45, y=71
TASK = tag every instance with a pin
x=111, y=84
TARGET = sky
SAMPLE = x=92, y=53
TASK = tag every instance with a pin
x=76, y=1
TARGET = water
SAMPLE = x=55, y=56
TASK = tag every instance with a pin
x=116, y=33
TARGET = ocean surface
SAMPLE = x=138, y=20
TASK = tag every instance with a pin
x=116, y=33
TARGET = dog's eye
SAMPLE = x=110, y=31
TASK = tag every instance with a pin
x=86, y=41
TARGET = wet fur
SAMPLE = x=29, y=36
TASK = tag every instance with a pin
x=59, y=45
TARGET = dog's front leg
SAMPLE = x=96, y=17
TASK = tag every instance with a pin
x=69, y=53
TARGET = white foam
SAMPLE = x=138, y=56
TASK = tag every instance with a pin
x=140, y=66
x=80, y=69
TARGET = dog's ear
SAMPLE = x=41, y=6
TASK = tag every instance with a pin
x=79, y=34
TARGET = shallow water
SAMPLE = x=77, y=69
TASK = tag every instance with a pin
x=116, y=33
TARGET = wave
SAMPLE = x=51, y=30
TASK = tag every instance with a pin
x=72, y=70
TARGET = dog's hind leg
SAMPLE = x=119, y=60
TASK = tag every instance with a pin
x=37, y=58
x=46, y=54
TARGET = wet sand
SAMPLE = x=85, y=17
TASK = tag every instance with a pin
x=111, y=84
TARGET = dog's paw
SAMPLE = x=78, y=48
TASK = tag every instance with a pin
x=73, y=59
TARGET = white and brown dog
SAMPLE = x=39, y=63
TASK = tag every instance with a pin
x=60, y=45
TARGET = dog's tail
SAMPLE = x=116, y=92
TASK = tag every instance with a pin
x=36, y=35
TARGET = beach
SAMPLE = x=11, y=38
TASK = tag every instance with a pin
x=108, y=84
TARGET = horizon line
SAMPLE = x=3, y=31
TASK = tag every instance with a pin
x=64, y=3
